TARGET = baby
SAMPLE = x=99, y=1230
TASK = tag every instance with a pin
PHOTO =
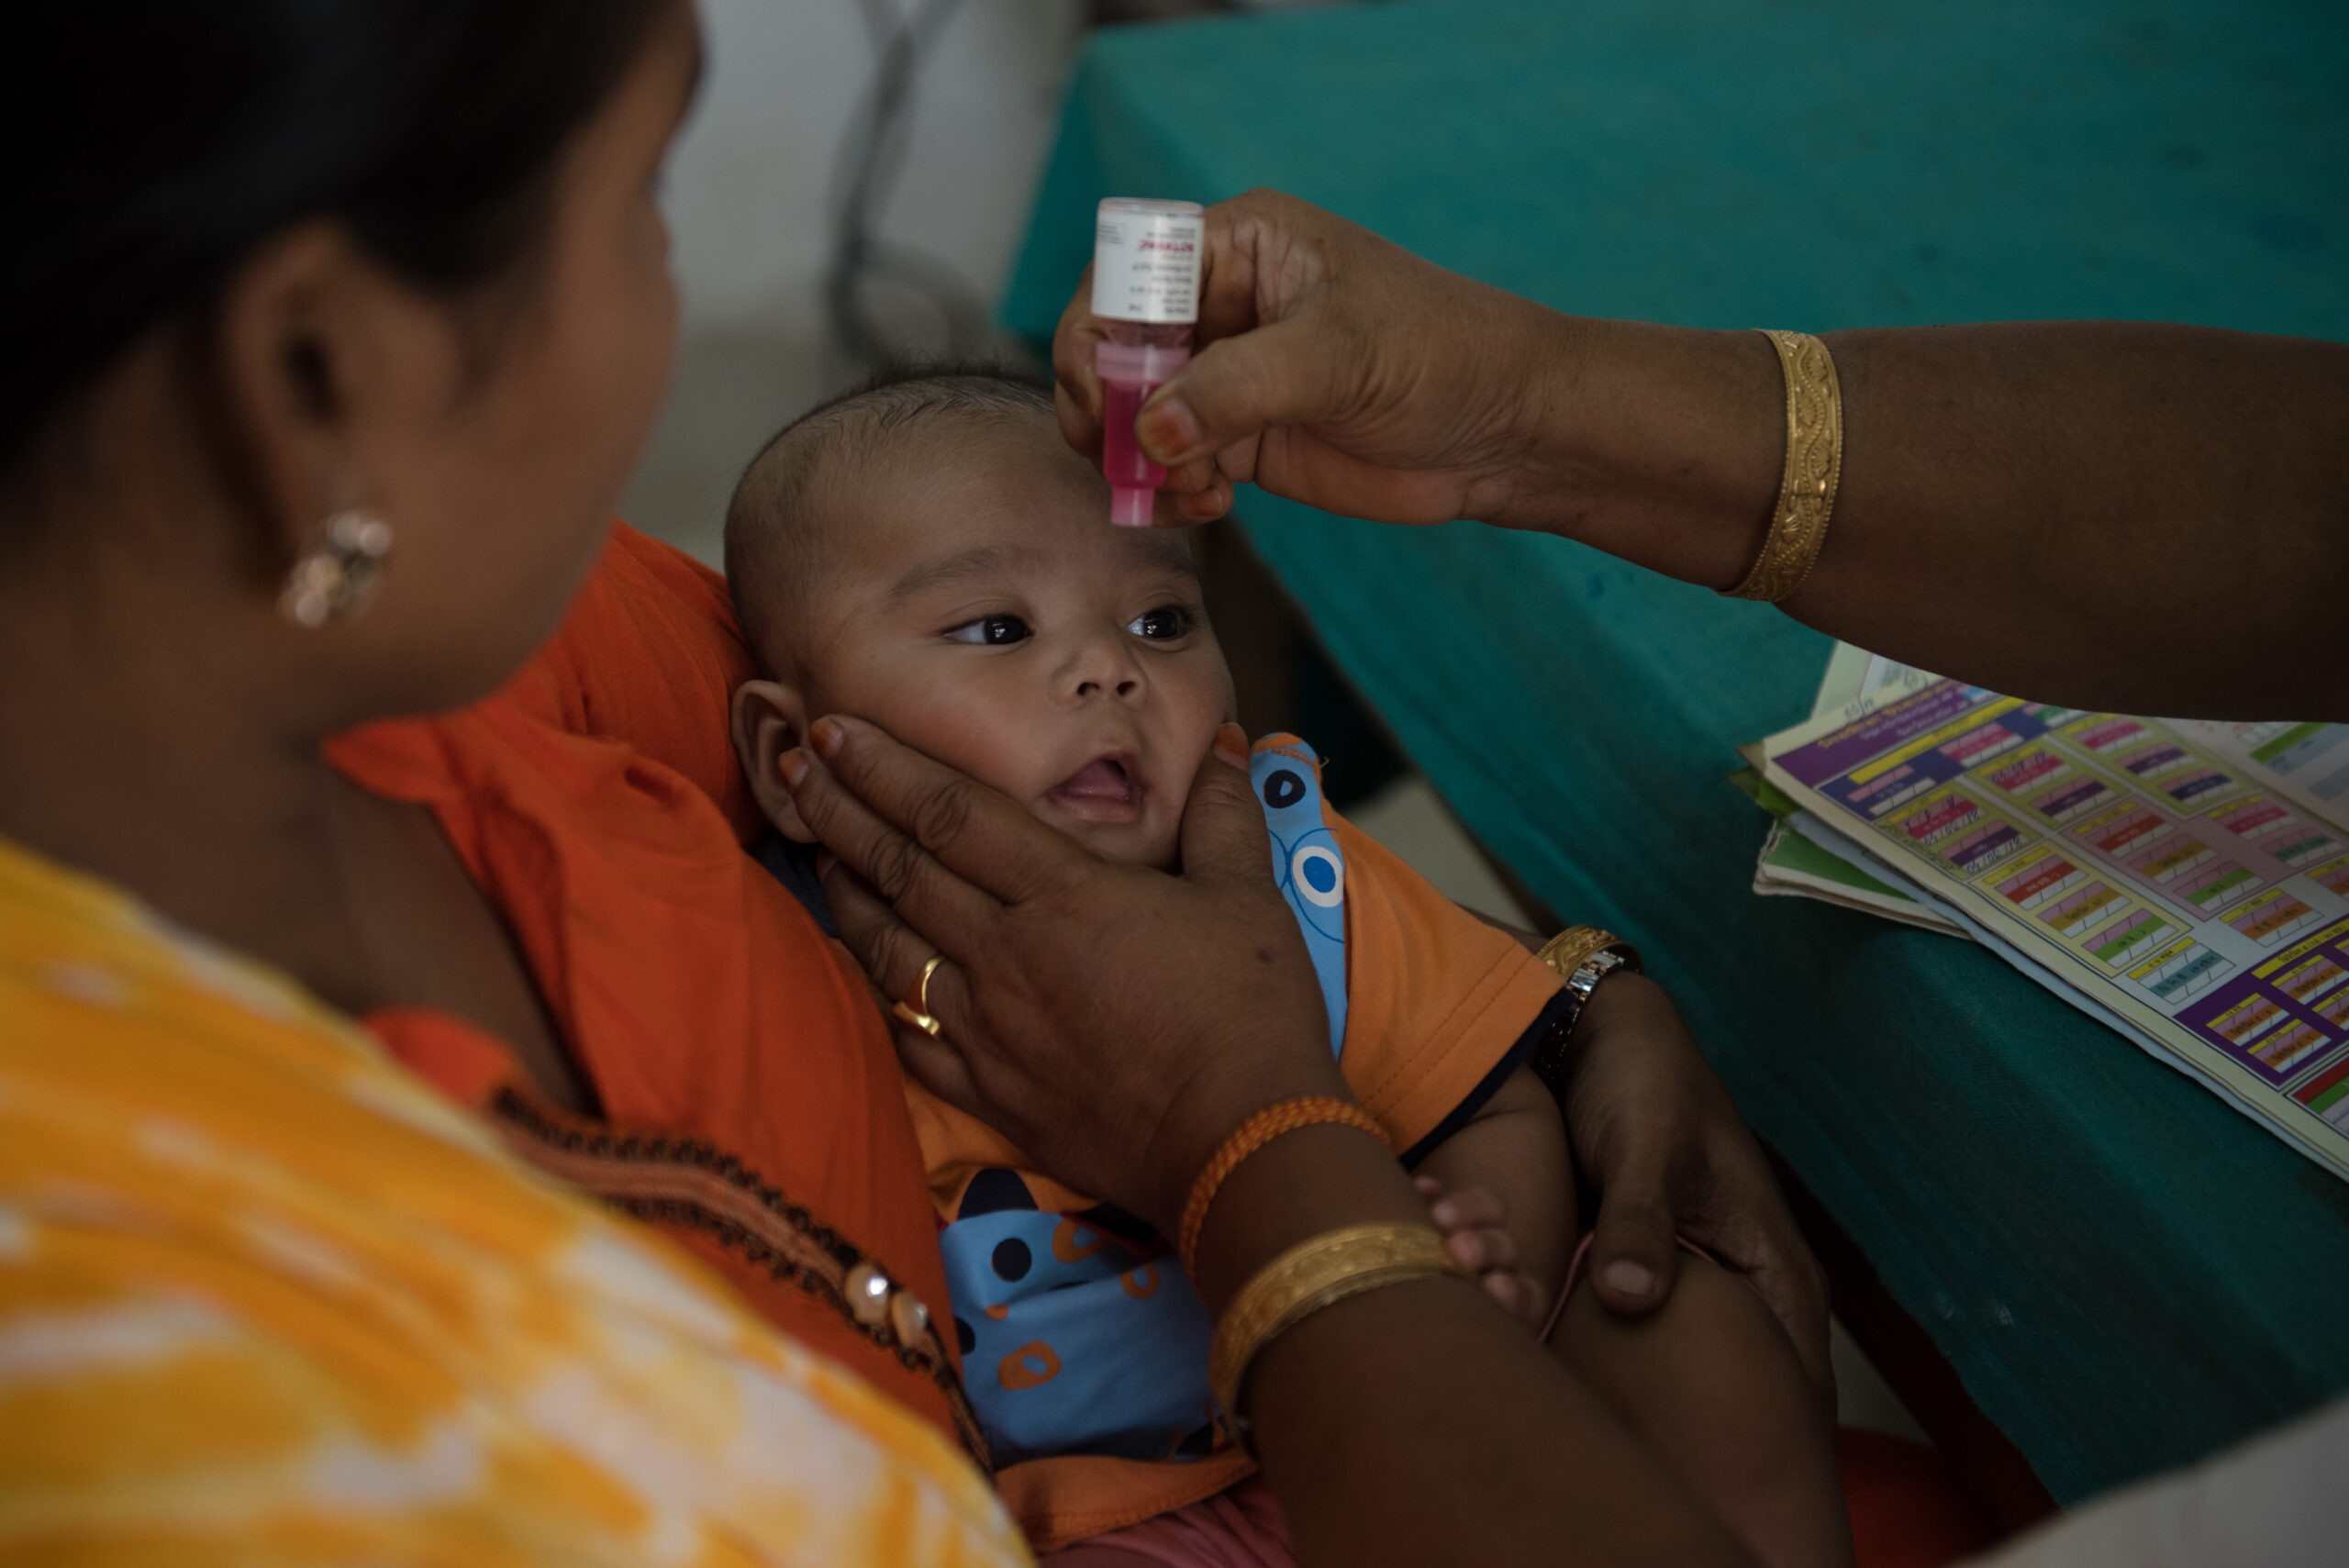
x=927, y=553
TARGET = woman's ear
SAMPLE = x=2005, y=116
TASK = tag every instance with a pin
x=769, y=719
x=326, y=367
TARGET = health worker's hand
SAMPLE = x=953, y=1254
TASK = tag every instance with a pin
x=1653, y=1129
x=1338, y=370
x=1117, y=1023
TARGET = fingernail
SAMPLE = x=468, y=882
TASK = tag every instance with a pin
x=1231, y=745
x=1626, y=1278
x=1205, y=505
x=825, y=861
x=1169, y=430
x=793, y=766
x=826, y=736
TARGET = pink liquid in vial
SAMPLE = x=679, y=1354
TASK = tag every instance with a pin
x=1136, y=361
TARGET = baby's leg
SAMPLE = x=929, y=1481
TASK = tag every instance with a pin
x=1710, y=1382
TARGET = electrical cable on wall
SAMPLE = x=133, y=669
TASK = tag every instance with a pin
x=871, y=154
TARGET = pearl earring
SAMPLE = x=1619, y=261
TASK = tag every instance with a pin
x=334, y=577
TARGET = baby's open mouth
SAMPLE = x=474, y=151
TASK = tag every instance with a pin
x=1104, y=790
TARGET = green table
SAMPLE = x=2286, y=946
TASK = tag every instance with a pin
x=2126, y=1273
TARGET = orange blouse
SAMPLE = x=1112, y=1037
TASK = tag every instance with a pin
x=755, y=1111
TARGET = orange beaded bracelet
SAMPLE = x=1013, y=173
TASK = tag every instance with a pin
x=1318, y=1110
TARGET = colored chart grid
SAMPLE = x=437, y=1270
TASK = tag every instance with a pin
x=2106, y=732
x=2336, y=1011
x=2292, y=1046
x=2318, y=977
x=1981, y=744
x=2328, y=1096
x=1892, y=790
x=2275, y=830
x=2184, y=969
x=2273, y=916
x=2310, y=844
x=2197, y=787
x=1994, y=843
x=1941, y=816
x=2254, y=819
x=2070, y=801
x=2154, y=760
x=2045, y=877
x=2218, y=886
x=2126, y=830
x=2084, y=909
x=2131, y=937
x=2036, y=766
x=2248, y=1019
x=2332, y=877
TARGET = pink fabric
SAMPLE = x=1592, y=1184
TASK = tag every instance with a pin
x=1239, y=1526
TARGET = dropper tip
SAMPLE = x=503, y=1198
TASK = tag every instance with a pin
x=1131, y=508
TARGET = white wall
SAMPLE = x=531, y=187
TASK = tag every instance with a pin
x=749, y=193
x=749, y=198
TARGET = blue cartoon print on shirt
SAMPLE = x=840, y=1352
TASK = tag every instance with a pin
x=1307, y=864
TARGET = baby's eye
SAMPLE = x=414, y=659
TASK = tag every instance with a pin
x=1161, y=625
x=991, y=630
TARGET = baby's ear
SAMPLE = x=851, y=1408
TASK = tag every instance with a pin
x=770, y=719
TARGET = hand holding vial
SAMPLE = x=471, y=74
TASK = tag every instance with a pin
x=1334, y=368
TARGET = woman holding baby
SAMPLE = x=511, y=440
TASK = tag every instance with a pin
x=333, y=332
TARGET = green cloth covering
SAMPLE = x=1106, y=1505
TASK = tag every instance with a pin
x=2126, y=1273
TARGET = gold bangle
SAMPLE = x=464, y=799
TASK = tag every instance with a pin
x=1571, y=948
x=1814, y=467
x=1305, y=1279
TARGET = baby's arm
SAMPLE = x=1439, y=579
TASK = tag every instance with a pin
x=1502, y=1190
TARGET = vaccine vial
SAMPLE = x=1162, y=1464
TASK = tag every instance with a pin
x=1146, y=297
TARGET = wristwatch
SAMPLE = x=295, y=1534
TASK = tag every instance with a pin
x=1582, y=956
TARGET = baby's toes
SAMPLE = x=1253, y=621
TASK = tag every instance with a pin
x=1473, y=1210
x=1484, y=1250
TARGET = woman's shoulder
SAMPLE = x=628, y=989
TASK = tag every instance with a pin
x=239, y=1244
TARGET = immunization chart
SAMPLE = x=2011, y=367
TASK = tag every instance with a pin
x=2188, y=880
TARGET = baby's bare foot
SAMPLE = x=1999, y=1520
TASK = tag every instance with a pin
x=1474, y=1224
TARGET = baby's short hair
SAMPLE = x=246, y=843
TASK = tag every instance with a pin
x=773, y=552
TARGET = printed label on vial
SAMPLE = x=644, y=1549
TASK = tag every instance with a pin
x=1146, y=266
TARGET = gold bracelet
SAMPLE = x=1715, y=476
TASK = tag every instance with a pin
x=1571, y=948
x=1305, y=1279
x=1582, y=956
x=1814, y=467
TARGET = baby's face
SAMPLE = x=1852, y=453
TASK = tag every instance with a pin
x=977, y=602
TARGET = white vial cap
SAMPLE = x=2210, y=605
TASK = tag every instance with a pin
x=1146, y=260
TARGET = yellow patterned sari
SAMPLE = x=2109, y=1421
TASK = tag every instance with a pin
x=265, y=1298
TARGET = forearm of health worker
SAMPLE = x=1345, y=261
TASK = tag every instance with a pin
x=2028, y=505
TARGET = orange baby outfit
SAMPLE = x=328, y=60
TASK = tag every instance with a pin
x=753, y=1105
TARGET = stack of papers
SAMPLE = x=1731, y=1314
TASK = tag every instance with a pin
x=2185, y=881
x=1799, y=859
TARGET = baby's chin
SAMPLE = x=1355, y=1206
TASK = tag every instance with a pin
x=1130, y=843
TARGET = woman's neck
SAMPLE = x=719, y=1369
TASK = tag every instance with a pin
x=131, y=757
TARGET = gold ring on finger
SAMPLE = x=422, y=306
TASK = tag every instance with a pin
x=915, y=1008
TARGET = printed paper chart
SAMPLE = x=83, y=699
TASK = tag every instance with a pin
x=2185, y=878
